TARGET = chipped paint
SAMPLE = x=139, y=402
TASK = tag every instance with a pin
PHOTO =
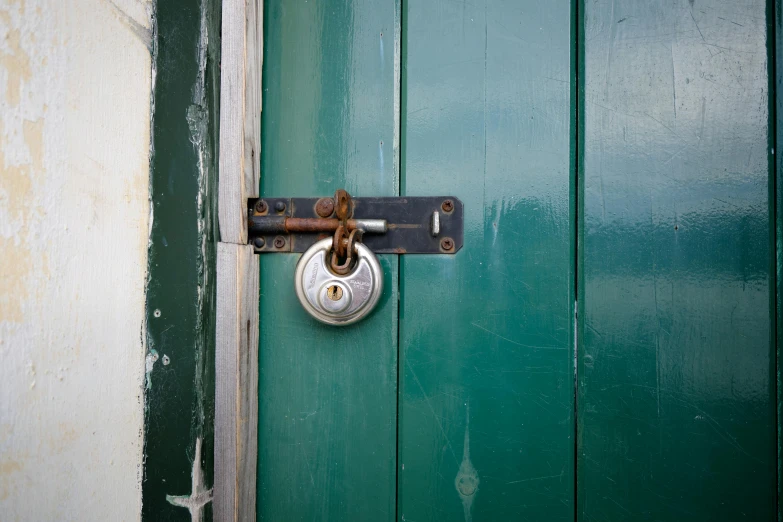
x=197, y=119
x=149, y=365
x=16, y=63
x=74, y=168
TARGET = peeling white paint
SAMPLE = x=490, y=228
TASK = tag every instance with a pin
x=149, y=365
x=200, y=496
x=75, y=84
x=197, y=125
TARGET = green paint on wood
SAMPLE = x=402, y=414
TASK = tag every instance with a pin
x=676, y=404
x=775, y=57
x=327, y=396
x=180, y=296
x=486, y=394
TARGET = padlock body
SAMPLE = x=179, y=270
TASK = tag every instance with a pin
x=338, y=299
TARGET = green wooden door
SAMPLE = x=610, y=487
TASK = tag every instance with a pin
x=676, y=404
x=629, y=180
x=327, y=396
x=486, y=364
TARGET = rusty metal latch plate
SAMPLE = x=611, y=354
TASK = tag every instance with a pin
x=396, y=225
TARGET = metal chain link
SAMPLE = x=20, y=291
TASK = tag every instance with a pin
x=343, y=244
x=350, y=247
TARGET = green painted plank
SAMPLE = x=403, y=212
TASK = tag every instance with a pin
x=181, y=292
x=676, y=403
x=775, y=56
x=327, y=395
x=487, y=382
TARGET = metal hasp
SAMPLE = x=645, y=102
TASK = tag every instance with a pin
x=396, y=225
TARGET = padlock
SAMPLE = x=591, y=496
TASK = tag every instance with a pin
x=338, y=299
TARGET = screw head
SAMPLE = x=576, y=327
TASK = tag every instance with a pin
x=325, y=207
x=261, y=206
x=259, y=242
x=280, y=206
x=447, y=206
x=447, y=243
x=279, y=242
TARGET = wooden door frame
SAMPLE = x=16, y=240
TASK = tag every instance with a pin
x=236, y=329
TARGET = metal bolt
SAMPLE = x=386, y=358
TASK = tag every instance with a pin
x=280, y=206
x=447, y=243
x=259, y=242
x=324, y=207
x=435, y=224
x=447, y=206
x=279, y=242
x=261, y=206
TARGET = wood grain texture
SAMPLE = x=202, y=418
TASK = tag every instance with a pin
x=236, y=367
x=236, y=389
x=240, y=115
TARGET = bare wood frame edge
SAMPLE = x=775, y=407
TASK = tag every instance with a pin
x=236, y=331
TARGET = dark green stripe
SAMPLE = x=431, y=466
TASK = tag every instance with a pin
x=180, y=394
x=774, y=25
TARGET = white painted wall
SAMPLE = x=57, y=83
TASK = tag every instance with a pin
x=75, y=83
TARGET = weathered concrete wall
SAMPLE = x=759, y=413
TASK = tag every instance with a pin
x=75, y=83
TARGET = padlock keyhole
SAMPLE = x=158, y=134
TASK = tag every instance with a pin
x=334, y=292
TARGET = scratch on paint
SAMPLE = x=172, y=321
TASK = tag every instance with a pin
x=380, y=159
x=432, y=410
x=467, y=479
x=199, y=496
x=518, y=343
x=144, y=34
x=381, y=48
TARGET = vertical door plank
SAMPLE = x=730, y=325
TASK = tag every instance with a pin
x=327, y=395
x=236, y=366
x=676, y=404
x=487, y=382
x=236, y=389
x=240, y=115
x=777, y=101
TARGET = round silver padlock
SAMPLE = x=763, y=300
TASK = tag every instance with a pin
x=338, y=299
